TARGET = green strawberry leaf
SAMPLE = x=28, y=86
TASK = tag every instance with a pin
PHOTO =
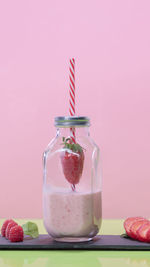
x=75, y=147
x=31, y=229
x=124, y=236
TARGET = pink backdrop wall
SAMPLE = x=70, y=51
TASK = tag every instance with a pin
x=111, y=43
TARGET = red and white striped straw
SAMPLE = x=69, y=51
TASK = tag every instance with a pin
x=72, y=93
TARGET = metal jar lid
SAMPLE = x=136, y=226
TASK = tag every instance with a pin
x=72, y=121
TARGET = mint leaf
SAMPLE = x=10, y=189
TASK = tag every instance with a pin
x=31, y=229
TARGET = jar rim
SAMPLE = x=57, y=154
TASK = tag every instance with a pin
x=67, y=121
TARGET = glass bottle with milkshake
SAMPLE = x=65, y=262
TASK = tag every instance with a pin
x=72, y=201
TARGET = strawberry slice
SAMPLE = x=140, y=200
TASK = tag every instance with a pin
x=129, y=221
x=136, y=226
x=9, y=226
x=143, y=232
x=72, y=160
x=4, y=226
x=148, y=235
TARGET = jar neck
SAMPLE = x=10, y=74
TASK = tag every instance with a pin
x=79, y=131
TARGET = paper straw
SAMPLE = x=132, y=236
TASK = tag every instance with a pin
x=72, y=94
x=72, y=99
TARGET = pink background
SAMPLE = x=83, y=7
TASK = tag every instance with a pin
x=111, y=43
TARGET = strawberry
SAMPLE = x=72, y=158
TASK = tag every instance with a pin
x=142, y=233
x=11, y=224
x=72, y=160
x=16, y=234
x=4, y=226
x=128, y=223
x=148, y=236
x=135, y=227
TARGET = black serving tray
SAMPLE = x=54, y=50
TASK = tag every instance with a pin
x=103, y=242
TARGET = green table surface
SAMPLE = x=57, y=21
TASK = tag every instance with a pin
x=76, y=258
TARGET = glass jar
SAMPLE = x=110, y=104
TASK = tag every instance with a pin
x=72, y=205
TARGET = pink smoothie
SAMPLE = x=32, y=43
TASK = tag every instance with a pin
x=69, y=213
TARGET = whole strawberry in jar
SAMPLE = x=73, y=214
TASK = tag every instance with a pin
x=72, y=159
x=72, y=205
